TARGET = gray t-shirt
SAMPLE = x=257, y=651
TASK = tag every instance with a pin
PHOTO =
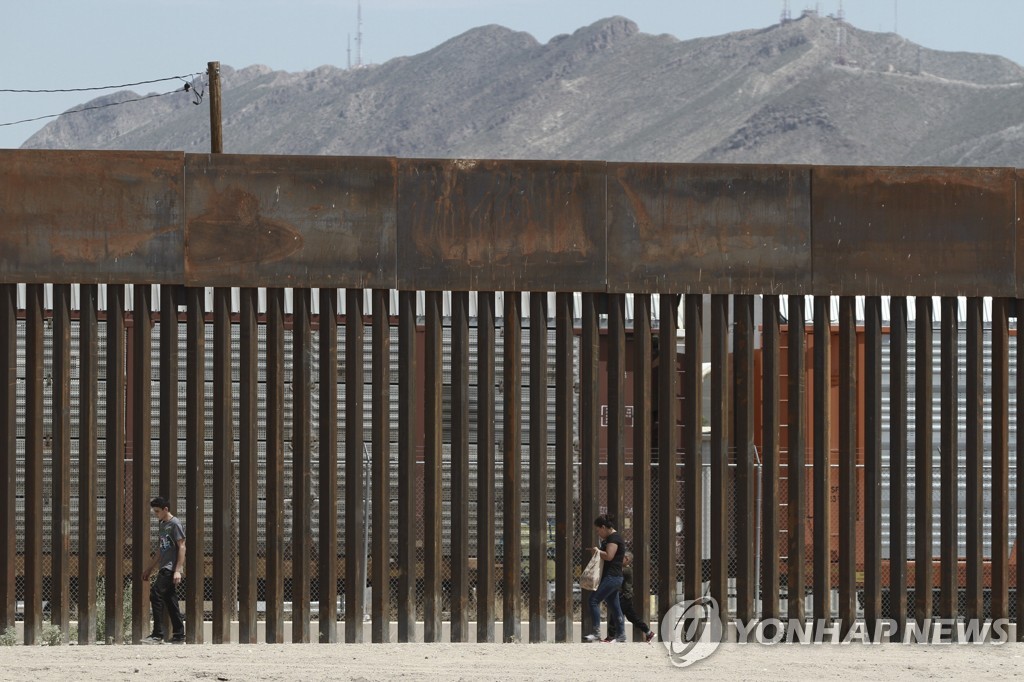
x=170, y=533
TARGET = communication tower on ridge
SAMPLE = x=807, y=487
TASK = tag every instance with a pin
x=359, y=40
x=359, y=35
x=841, y=37
x=787, y=16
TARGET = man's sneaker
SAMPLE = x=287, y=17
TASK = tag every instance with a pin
x=152, y=639
x=592, y=638
x=621, y=639
x=649, y=637
x=177, y=640
x=608, y=639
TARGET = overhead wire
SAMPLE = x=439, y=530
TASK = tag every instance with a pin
x=189, y=87
x=103, y=87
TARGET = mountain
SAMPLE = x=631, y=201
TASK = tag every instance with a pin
x=814, y=90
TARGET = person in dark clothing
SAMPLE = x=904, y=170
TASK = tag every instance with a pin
x=626, y=601
x=168, y=564
x=612, y=550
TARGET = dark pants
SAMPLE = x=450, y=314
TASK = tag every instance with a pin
x=629, y=613
x=163, y=595
x=607, y=592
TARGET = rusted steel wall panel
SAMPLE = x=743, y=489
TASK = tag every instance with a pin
x=433, y=464
x=8, y=450
x=485, y=456
x=797, y=420
x=771, y=500
x=248, y=464
x=511, y=468
x=34, y=464
x=822, y=457
x=616, y=393
x=407, y=486
x=115, y=412
x=1019, y=273
x=564, y=502
x=949, y=459
x=327, y=547
x=88, y=390
x=848, y=509
x=709, y=228
x=250, y=220
x=1019, y=415
x=733, y=416
x=975, y=453
x=60, y=517
x=169, y=366
x=292, y=221
x=537, y=604
x=142, y=378
x=643, y=414
x=355, y=504
x=195, y=469
x=872, y=462
x=460, y=469
x=91, y=217
x=223, y=477
x=275, y=466
x=720, y=497
x=493, y=225
x=745, y=484
x=1002, y=309
x=302, y=456
x=590, y=421
x=668, y=496
x=380, y=556
x=924, y=358
x=898, y=464
x=327, y=492
x=914, y=231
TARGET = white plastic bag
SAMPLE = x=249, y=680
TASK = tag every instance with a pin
x=590, y=579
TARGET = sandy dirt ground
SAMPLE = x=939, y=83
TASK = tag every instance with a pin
x=507, y=662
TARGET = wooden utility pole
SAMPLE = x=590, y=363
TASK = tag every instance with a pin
x=216, y=137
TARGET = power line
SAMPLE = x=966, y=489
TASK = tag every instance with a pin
x=104, y=87
x=187, y=88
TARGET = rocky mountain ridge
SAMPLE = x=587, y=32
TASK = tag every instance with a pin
x=810, y=91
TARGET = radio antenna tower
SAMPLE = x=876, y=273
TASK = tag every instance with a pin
x=787, y=16
x=359, y=34
x=841, y=35
x=348, y=51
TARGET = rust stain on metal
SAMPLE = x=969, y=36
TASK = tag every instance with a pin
x=1018, y=231
x=510, y=204
x=290, y=221
x=85, y=250
x=232, y=222
x=699, y=228
x=914, y=231
x=86, y=216
x=490, y=224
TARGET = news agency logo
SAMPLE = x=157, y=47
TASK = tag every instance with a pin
x=691, y=631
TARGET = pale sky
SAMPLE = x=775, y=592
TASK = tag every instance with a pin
x=59, y=44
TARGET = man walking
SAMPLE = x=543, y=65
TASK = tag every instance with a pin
x=168, y=564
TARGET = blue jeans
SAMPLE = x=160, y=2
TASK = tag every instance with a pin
x=607, y=592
